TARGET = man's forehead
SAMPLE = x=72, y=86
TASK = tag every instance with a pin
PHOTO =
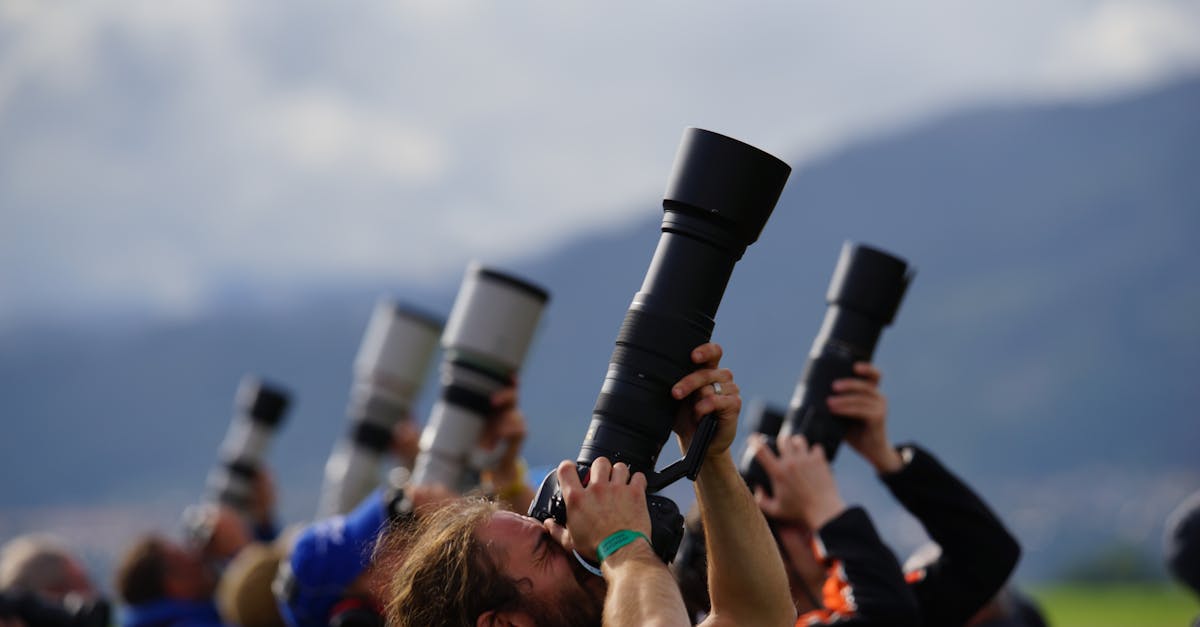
x=505, y=528
x=506, y=521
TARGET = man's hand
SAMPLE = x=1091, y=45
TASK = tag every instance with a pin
x=262, y=497
x=705, y=400
x=611, y=501
x=804, y=491
x=505, y=427
x=861, y=401
x=406, y=441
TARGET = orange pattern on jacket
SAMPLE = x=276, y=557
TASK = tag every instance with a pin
x=836, y=593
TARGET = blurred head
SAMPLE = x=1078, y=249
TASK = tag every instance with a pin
x=42, y=564
x=471, y=563
x=155, y=568
x=244, y=594
x=1182, y=542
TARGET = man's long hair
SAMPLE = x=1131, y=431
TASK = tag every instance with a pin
x=441, y=573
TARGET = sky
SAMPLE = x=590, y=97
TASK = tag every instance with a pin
x=155, y=155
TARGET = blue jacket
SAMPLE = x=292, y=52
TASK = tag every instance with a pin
x=172, y=613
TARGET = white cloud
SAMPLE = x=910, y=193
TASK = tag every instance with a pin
x=1127, y=42
x=152, y=152
x=322, y=133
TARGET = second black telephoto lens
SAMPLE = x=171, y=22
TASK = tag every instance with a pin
x=864, y=295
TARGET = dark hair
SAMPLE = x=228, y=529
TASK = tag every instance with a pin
x=443, y=574
x=142, y=571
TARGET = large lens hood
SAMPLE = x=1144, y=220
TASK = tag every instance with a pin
x=869, y=281
x=262, y=401
x=722, y=176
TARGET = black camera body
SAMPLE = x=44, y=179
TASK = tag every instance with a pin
x=665, y=519
x=864, y=295
x=718, y=199
x=766, y=420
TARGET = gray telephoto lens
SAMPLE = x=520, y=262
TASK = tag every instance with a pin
x=390, y=368
x=258, y=411
x=489, y=330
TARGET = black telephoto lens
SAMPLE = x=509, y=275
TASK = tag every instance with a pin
x=718, y=199
x=766, y=420
x=864, y=295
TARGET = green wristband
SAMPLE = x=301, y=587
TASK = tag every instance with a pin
x=617, y=541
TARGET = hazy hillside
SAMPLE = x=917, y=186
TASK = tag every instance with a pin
x=1052, y=333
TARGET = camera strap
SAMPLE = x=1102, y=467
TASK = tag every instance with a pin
x=595, y=570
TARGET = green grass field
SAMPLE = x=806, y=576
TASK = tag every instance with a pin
x=1117, y=605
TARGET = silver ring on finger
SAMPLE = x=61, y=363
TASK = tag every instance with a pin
x=716, y=385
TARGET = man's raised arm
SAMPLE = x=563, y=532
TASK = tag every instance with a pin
x=746, y=578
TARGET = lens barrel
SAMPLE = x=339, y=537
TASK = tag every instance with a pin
x=864, y=295
x=490, y=329
x=719, y=196
x=389, y=370
x=259, y=409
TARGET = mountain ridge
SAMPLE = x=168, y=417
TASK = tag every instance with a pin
x=1052, y=326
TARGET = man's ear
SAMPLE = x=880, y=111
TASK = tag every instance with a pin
x=508, y=618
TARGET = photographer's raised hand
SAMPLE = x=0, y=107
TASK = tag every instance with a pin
x=506, y=427
x=802, y=485
x=710, y=390
x=860, y=400
x=611, y=501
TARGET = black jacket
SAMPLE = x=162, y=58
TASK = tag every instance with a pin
x=978, y=553
x=865, y=586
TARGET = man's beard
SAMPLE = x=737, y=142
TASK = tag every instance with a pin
x=580, y=605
